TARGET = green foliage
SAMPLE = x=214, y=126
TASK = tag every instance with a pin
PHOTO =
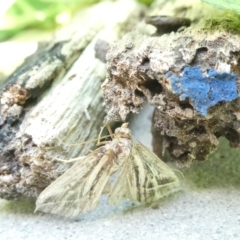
x=41, y=14
x=147, y=2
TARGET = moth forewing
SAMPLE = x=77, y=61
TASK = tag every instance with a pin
x=79, y=189
x=119, y=192
x=158, y=192
x=105, y=167
x=149, y=177
x=98, y=180
x=143, y=178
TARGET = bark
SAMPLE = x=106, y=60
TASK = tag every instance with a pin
x=191, y=76
x=54, y=100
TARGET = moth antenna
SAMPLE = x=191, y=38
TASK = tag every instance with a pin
x=136, y=139
x=80, y=143
x=68, y=161
x=176, y=170
x=88, y=141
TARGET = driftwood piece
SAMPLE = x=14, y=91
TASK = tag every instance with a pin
x=191, y=76
x=54, y=100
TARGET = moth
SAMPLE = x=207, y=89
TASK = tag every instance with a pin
x=142, y=177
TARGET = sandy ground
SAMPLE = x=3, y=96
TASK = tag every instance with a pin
x=207, y=207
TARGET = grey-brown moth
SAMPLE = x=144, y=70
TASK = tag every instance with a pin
x=143, y=178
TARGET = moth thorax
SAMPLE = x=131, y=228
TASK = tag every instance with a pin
x=123, y=132
x=123, y=149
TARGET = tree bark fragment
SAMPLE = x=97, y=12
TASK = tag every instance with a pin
x=54, y=100
x=191, y=76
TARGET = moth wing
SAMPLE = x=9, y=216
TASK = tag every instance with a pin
x=107, y=187
x=119, y=190
x=79, y=189
x=149, y=178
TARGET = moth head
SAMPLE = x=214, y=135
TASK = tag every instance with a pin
x=123, y=131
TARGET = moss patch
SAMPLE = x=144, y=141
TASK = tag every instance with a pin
x=226, y=20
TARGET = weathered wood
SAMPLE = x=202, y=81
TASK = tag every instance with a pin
x=54, y=100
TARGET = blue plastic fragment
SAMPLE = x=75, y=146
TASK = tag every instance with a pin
x=204, y=91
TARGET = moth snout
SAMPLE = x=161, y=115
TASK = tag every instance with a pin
x=125, y=125
x=123, y=131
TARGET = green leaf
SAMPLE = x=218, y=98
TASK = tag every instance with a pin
x=225, y=4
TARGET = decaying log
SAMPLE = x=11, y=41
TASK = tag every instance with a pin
x=190, y=75
x=54, y=100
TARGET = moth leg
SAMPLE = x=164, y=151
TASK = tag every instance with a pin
x=69, y=161
x=110, y=130
x=99, y=136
